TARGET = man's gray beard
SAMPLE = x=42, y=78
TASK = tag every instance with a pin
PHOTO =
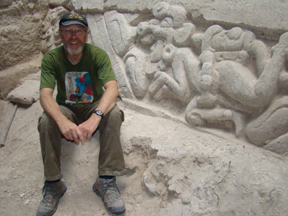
x=74, y=52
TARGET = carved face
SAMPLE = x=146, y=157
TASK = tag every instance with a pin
x=228, y=40
x=156, y=51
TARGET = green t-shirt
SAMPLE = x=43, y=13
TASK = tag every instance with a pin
x=76, y=84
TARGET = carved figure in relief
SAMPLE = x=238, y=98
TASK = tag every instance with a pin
x=135, y=61
x=171, y=62
x=230, y=87
x=271, y=127
x=176, y=75
x=50, y=38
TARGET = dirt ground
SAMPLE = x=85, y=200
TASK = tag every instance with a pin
x=172, y=170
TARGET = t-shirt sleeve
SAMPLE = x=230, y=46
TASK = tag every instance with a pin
x=105, y=70
x=48, y=72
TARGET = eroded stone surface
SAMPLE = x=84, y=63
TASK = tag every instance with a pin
x=25, y=94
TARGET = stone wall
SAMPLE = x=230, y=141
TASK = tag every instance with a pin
x=218, y=63
x=21, y=22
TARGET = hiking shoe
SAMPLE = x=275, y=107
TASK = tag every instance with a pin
x=52, y=192
x=110, y=194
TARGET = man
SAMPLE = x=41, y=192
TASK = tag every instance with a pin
x=80, y=70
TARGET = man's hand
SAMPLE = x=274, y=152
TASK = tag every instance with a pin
x=88, y=127
x=71, y=131
x=68, y=129
x=106, y=104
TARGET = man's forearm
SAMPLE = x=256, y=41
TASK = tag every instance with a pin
x=50, y=106
x=68, y=129
x=106, y=104
x=109, y=98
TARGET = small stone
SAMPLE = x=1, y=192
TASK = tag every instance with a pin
x=186, y=198
x=31, y=5
x=27, y=202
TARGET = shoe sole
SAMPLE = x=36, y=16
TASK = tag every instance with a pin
x=99, y=194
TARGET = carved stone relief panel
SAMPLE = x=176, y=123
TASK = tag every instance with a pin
x=223, y=77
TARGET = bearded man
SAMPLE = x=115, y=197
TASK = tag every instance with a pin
x=86, y=101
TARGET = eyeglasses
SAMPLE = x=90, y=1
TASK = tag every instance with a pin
x=69, y=32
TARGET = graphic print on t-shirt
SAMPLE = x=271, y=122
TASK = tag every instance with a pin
x=78, y=88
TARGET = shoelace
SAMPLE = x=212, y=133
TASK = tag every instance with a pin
x=47, y=200
x=109, y=184
x=49, y=189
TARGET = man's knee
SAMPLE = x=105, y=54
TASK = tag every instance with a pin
x=112, y=120
x=116, y=114
x=45, y=122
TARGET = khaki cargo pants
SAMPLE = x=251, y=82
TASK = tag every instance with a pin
x=111, y=159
